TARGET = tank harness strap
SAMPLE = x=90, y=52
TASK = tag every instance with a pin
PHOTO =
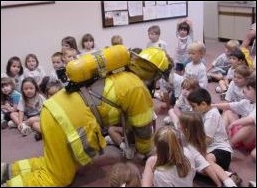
x=101, y=63
x=86, y=96
x=90, y=102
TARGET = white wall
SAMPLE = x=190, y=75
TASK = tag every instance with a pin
x=39, y=29
x=210, y=19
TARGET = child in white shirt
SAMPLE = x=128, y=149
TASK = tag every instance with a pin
x=218, y=147
x=192, y=126
x=32, y=68
x=176, y=78
x=181, y=104
x=241, y=133
x=184, y=35
x=196, y=68
x=175, y=162
x=236, y=58
x=88, y=44
x=221, y=64
x=235, y=88
x=29, y=107
x=154, y=33
x=14, y=70
x=57, y=63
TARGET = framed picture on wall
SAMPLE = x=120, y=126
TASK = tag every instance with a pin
x=9, y=4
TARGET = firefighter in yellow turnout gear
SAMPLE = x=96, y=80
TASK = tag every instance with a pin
x=71, y=133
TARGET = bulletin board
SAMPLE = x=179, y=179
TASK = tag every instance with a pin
x=118, y=13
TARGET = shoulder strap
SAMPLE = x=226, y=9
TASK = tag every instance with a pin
x=89, y=101
x=86, y=96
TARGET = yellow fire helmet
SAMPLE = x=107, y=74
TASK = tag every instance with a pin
x=154, y=61
x=155, y=56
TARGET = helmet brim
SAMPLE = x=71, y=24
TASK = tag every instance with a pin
x=150, y=63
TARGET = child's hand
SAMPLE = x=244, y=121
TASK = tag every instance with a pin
x=231, y=125
x=233, y=128
x=188, y=21
x=229, y=131
x=6, y=107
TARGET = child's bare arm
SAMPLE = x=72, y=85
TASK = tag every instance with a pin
x=223, y=106
x=248, y=120
x=21, y=116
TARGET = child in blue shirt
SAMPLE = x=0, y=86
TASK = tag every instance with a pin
x=9, y=101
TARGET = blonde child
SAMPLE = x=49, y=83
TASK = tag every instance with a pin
x=69, y=42
x=88, y=44
x=9, y=101
x=184, y=36
x=154, y=33
x=124, y=174
x=196, y=68
x=239, y=116
x=182, y=104
x=116, y=40
x=174, y=164
x=192, y=126
x=221, y=64
x=236, y=58
x=33, y=69
x=68, y=54
x=236, y=86
x=57, y=64
x=218, y=147
x=29, y=107
x=14, y=70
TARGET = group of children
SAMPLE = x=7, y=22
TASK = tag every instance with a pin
x=22, y=93
x=214, y=130
x=201, y=139
x=25, y=88
x=198, y=144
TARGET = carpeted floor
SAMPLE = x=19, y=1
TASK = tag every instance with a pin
x=14, y=147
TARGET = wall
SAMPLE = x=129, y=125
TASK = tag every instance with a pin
x=39, y=29
x=210, y=19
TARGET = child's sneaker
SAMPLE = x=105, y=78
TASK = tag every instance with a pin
x=218, y=89
x=25, y=129
x=11, y=124
x=167, y=120
x=108, y=140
